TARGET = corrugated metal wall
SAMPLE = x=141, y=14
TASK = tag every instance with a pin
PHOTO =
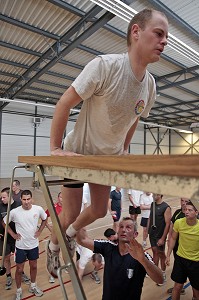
x=18, y=139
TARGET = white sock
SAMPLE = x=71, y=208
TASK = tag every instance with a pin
x=53, y=247
x=71, y=231
x=32, y=284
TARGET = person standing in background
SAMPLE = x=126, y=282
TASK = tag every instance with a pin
x=16, y=191
x=158, y=231
x=178, y=214
x=26, y=219
x=115, y=206
x=145, y=205
x=186, y=262
x=134, y=207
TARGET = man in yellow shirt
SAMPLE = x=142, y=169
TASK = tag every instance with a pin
x=186, y=262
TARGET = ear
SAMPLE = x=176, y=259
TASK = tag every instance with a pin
x=135, y=235
x=135, y=31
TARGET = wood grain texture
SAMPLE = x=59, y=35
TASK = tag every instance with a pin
x=171, y=165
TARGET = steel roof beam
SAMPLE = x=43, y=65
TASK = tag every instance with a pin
x=18, y=48
x=26, y=26
x=177, y=104
x=20, y=85
x=178, y=73
x=177, y=83
x=69, y=7
x=174, y=17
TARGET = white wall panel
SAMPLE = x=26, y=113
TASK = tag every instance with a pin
x=42, y=146
x=43, y=129
x=16, y=124
x=12, y=147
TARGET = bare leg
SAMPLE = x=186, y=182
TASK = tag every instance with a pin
x=97, y=209
x=162, y=257
x=134, y=217
x=71, y=206
x=33, y=270
x=145, y=234
x=155, y=255
x=7, y=263
x=176, y=291
x=18, y=273
x=195, y=294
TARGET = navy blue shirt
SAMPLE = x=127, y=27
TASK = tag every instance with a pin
x=116, y=200
x=123, y=275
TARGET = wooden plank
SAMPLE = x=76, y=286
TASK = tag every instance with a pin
x=171, y=165
x=174, y=175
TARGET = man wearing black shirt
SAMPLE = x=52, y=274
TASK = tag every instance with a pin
x=126, y=263
x=10, y=247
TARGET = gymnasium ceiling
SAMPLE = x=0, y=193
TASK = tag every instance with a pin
x=46, y=44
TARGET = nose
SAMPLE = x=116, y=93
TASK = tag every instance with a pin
x=165, y=41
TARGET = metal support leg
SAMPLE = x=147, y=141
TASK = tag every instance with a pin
x=77, y=286
x=2, y=268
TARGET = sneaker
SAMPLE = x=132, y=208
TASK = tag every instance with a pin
x=144, y=244
x=51, y=279
x=36, y=290
x=164, y=280
x=71, y=244
x=18, y=295
x=25, y=279
x=8, y=283
x=95, y=277
x=53, y=262
x=169, y=291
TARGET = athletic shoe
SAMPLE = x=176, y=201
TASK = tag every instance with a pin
x=169, y=291
x=164, y=280
x=18, y=295
x=71, y=244
x=51, y=279
x=144, y=244
x=25, y=279
x=95, y=277
x=8, y=283
x=36, y=290
x=53, y=262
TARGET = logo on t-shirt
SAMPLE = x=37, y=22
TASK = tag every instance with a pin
x=130, y=273
x=139, y=107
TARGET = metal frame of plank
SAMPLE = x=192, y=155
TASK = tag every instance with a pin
x=175, y=175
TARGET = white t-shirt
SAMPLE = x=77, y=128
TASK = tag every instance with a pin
x=136, y=197
x=26, y=222
x=85, y=256
x=113, y=99
x=146, y=200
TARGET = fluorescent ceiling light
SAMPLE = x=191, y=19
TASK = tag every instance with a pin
x=167, y=127
x=125, y=12
x=33, y=103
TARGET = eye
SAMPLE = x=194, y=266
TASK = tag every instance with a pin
x=159, y=34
